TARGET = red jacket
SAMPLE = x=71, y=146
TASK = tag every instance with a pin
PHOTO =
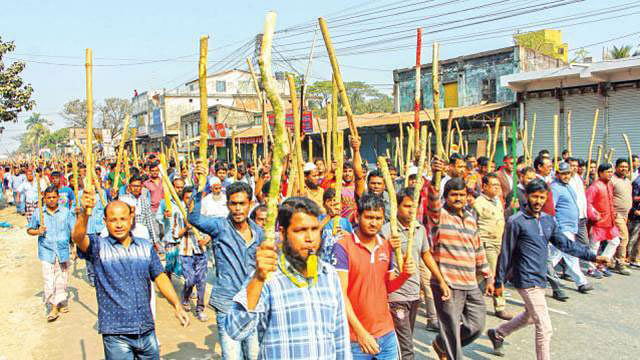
x=600, y=210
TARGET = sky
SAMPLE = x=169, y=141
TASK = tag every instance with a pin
x=130, y=38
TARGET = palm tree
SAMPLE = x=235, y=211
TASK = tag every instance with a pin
x=35, y=119
x=35, y=135
x=621, y=52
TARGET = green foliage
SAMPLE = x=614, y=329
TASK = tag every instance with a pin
x=363, y=97
x=621, y=52
x=15, y=95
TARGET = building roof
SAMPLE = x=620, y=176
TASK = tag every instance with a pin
x=461, y=58
x=381, y=119
x=218, y=73
x=575, y=75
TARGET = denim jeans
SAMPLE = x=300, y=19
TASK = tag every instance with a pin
x=194, y=270
x=18, y=199
x=129, y=347
x=246, y=349
x=388, y=348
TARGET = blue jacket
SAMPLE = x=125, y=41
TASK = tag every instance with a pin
x=524, y=249
x=235, y=260
x=55, y=241
x=567, y=211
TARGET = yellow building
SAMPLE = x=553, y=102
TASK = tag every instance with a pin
x=548, y=42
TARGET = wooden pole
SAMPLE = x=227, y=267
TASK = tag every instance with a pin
x=599, y=158
x=322, y=140
x=525, y=142
x=74, y=167
x=338, y=186
x=254, y=157
x=116, y=179
x=496, y=128
x=533, y=137
x=449, y=125
x=40, y=209
x=134, y=149
x=593, y=138
x=279, y=146
x=555, y=142
x=204, y=107
x=417, y=189
x=505, y=150
x=165, y=188
x=416, y=100
x=489, y=141
x=393, y=206
x=346, y=106
x=626, y=141
x=330, y=135
x=233, y=149
x=310, y=149
x=89, y=148
x=408, y=162
x=400, y=147
x=298, y=130
x=435, y=77
x=569, y=145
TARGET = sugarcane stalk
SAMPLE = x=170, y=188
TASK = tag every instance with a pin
x=279, y=145
x=298, y=129
x=626, y=141
x=127, y=165
x=449, y=125
x=337, y=75
x=416, y=102
x=393, y=206
x=593, y=138
x=569, y=145
x=555, y=142
x=165, y=188
x=338, y=185
x=417, y=190
x=489, y=141
x=89, y=149
x=204, y=118
x=435, y=77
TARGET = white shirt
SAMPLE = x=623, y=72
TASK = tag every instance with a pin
x=30, y=189
x=213, y=207
x=581, y=199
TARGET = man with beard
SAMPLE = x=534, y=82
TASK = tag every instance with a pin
x=169, y=220
x=311, y=182
x=376, y=186
x=143, y=226
x=154, y=185
x=366, y=271
x=457, y=169
x=125, y=266
x=622, y=202
x=524, y=256
x=460, y=257
x=215, y=203
x=505, y=176
x=352, y=180
x=294, y=303
x=234, y=240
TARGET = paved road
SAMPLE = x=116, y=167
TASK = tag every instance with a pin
x=602, y=325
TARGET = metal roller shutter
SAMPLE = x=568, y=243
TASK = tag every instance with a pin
x=624, y=113
x=583, y=107
x=544, y=109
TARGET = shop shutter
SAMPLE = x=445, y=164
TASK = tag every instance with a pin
x=544, y=109
x=582, y=108
x=624, y=116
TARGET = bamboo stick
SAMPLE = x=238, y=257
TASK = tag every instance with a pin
x=254, y=158
x=254, y=79
x=92, y=168
x=165, y=188
x=626, y=141
x=533, y=137
x=408, y=162
x=338, y=185
x=397, y=156
x=134, y=148
x=496, y=128
x=233, y=149
x=346, y=106
x=449, y=125
x=489, y=141
x=89, y=149
x=265, y=126
x=393, y=206
x=417, y=190
x=178, y=201
x=204, y=118
x=609, y=155
x=593, y=138
x=116, y=179
x=435, y=77
x=329, y=138
x=279, y=149
x=297, y=129
x=400, y=148
x=525, y=142
x=599, y=158
x=460, y=139
x=40, y=209
x=429, y=154
x=127, y=165
x=322, y=139
x=555, y=142
x=416, y=109
x=505, y=151
x=569, y=145
x=310, y=149
x=74, y=167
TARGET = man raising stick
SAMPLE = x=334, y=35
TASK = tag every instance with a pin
x=124, y=266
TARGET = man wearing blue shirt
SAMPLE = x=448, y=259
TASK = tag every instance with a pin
x=67, y=198
x=124, y=266
x=54, y=232
x=524, y=255
x=234, y=240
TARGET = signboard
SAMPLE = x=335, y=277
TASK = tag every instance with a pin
x=155, y=125
x=306, y=125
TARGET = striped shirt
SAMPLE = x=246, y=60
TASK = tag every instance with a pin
x=456, y=245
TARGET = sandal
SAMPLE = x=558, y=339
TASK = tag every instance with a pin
x=53, y=315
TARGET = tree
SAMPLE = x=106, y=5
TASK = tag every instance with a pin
x=35, y=119
x=15, y=95
x=75, y=111
x=113, y=112
x=621, y=52
x=581, y=55
x=35, y=136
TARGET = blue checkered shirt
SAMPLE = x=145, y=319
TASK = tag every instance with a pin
x=295, y=322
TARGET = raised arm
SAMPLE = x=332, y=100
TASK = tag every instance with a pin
x=357, y=165
x=79, y=232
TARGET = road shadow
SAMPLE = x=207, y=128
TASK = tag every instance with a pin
x=188, y=350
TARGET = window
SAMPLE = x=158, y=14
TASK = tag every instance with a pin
x=221, y=86
x=489, y=90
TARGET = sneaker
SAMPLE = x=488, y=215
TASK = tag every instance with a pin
x=53, y=314
x=496, y=342
x=504, y=315
x=634, y=264
x=433, y=326
x=595, y=273
x=606, y=272
x=442, y=355
x=202, y=316
x=560, y=295
x=585, y=288
x=622, y=270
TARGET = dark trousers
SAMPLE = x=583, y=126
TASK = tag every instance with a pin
x=461, y=319
x=404, y=320
x=194, y=270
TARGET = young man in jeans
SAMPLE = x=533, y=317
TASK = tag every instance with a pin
x=404, y=302
x=524, y=254
x=365, y=268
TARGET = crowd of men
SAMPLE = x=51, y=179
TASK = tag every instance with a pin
x=330, y=286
